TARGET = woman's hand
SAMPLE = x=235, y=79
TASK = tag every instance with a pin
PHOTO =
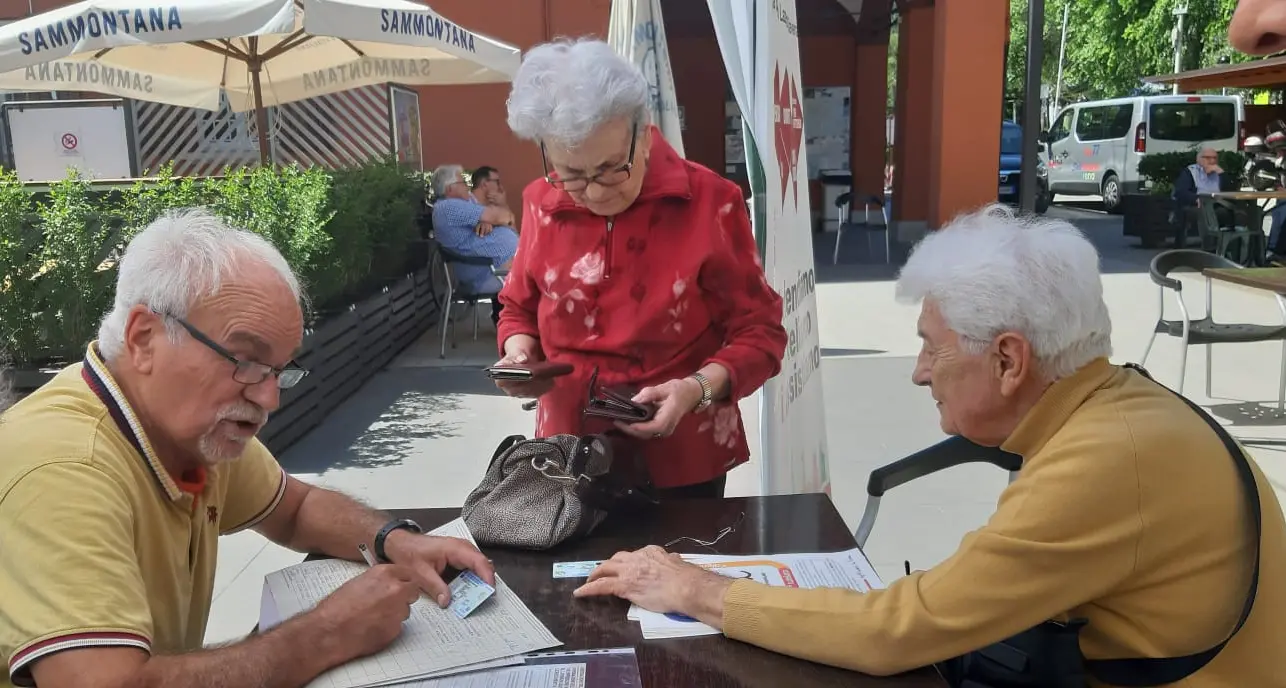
x=673, y=400
x=522, y=348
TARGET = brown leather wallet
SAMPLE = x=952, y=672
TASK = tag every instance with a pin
x=616, y=403
x=527, y=372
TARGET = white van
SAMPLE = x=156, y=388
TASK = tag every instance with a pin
x=1095, y=147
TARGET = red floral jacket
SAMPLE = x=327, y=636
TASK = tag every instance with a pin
x=655, y=293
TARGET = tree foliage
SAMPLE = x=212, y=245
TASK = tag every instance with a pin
x=1112, y=46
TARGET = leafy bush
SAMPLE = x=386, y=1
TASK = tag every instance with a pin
x=345, y=233
x=1163, y=168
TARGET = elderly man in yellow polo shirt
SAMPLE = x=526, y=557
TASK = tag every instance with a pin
x=1129, y=511
x=118, y=476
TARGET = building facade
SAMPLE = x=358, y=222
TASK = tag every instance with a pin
x=947, y=108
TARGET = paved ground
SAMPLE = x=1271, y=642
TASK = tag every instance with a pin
x=421, y=432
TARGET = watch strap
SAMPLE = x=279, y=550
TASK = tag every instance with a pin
x=397, y=524
x=707, y=392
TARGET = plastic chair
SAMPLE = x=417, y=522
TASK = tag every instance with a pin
x=953, y=451
x=1206, y=331
x=844, y=203
x=1222, y=237
x=443, y=259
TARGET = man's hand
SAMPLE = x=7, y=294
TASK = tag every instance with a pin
x=522, y=348
x=427, y=556
x=661, y=582
x=367, y=612
x=483, y=229
x=674, y=400
x=496, y=197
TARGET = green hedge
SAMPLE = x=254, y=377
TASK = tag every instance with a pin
x=346, y=233
x=1163, y=168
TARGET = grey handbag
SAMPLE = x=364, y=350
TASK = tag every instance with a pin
x=538, y=493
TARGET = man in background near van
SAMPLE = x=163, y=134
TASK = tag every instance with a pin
x=1203, y=177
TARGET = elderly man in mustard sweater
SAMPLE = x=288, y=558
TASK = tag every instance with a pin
x=1128, y=512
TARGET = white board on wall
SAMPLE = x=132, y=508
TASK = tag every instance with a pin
x=49, y=137
x=826, y=128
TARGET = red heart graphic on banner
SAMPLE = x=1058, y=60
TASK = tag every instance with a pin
x=788, y=129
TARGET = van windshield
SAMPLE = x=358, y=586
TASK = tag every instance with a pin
x=1193, y=122
x=1011, y=140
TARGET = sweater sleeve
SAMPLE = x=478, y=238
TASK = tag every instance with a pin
x=520, y=296
x=741, y=302
x=1063, y=534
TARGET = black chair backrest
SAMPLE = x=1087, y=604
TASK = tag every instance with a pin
x=1167, y=262
x=953, y=451
x=843, y=199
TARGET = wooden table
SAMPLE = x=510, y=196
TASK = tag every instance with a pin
x=1250, y=195
x=1266, y=279
x=772, y=525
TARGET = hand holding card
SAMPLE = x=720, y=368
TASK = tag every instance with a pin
x=468, y=592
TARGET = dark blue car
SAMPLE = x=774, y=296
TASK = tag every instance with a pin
x=1011, y=157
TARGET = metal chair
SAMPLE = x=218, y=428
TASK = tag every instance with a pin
x=443, y=259
x=1206, y=331
x=953, y=451
x=844, y=203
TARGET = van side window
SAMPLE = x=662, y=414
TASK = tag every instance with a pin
x=1092, y=123
x=1062, y=127
x=1119, y=119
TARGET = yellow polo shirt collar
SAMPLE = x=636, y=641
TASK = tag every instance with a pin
x=105, y=387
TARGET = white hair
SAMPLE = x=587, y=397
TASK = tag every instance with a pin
x=179, y=259
x=443, y=177
x=565, y=90
x=989, y=272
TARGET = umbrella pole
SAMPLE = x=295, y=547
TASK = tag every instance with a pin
x=261, y=116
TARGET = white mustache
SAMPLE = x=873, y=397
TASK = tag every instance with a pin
x=243, y=413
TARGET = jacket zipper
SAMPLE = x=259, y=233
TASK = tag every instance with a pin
x=607, y=262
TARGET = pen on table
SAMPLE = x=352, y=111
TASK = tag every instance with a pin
x=366, y=554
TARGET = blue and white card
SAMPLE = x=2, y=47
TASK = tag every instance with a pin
x=574, y=569
x=468, y=592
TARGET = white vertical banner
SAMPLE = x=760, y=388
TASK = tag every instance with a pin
x=760, y=47
x=636, y=30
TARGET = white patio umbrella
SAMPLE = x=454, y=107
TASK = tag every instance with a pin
x=636, y=31
x=257, y=53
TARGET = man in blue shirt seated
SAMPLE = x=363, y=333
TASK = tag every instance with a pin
x=1203, y=177
x=469, y=228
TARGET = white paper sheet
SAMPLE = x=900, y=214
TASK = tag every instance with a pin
x=553, y=676
x=433, y=642
x=849, y=569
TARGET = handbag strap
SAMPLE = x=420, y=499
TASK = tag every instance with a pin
x=1155, y=671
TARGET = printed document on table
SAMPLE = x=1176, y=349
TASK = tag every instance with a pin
x=849, y=569
x=433, y=643
x=555, y=676
x=617, y=667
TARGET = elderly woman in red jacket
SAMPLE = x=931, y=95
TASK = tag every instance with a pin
x=637, y=264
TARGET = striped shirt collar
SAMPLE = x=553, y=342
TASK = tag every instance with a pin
x=105, y=387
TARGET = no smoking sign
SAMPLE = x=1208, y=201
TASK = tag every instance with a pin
x=70, y=141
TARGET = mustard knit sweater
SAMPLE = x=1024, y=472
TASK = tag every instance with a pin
x=1128, y=512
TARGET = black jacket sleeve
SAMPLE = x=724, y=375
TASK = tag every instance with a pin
x=1185, y=189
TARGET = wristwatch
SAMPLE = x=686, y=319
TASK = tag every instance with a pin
x=707, y=393
x=399, y=524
